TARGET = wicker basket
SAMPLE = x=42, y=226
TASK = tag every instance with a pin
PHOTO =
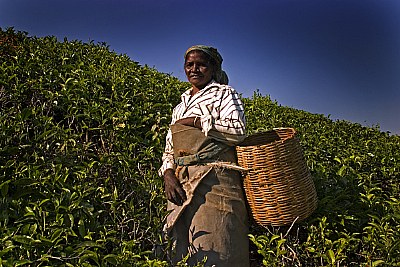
x=278, y=184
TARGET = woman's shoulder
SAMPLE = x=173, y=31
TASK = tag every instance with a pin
x=222, y=88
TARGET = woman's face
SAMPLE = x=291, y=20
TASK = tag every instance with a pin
x=198, y=69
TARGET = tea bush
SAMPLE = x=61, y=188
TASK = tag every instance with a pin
x=81, y=134
x=81, y=137
x=356, y=173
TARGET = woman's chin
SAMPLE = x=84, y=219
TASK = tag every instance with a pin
x=198, y=82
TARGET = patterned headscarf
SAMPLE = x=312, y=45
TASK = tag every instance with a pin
x=219, y=76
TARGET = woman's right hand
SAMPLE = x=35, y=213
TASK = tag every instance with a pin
x=173, y=189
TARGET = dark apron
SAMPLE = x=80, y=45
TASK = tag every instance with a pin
x=212, y=222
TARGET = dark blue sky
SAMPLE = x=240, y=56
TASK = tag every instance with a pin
x=338, y=57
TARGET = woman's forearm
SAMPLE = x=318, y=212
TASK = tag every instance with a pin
x=190, y=121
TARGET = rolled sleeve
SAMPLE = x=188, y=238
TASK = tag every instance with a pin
x=168, y=155
x=227, y=117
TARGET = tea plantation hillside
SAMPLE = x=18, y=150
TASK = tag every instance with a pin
x=81, y=137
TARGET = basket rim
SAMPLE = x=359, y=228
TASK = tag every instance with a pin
x=249, y=138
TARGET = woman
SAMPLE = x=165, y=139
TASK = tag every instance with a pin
x=208, y=216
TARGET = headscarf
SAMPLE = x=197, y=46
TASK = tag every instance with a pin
x=219, y=76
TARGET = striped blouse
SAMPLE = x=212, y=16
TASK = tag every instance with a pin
x=220, y=111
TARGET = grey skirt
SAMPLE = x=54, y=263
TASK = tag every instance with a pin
x=212, y=226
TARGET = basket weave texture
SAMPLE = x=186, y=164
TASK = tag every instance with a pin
x=278, y=185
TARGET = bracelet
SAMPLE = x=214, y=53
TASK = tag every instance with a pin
x=195, y=120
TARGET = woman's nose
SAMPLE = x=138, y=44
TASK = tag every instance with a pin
x=195, y=67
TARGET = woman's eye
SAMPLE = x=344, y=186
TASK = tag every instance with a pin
x=198, y=65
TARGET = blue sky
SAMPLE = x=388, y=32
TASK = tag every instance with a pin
x=337, y=57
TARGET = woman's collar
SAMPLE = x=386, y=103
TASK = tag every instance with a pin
x=209, y=85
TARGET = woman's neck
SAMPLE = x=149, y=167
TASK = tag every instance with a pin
x=194, y=90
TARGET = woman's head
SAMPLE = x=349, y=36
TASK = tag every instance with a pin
x=202, y=64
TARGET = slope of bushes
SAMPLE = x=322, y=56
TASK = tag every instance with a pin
x=81, y=137
x=356, y=171
x=80, y=143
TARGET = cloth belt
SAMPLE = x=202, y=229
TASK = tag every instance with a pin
x=205, y=155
